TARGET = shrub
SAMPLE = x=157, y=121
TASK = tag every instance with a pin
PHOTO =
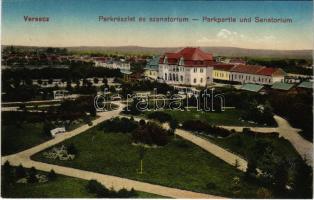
x=94, y=186
x=7, y=173
x=211, y=185
x=101, y=191
x=32, y=175
x=52, y=175
x=123, y=125
x=150, y=134
x=20, y=172
x=72, y=149
x=195, y=125
x=201, y=126
x=162, y=117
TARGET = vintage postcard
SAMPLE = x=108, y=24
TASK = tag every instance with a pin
x=187, y=99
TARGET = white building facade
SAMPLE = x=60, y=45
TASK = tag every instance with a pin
x=122, y=65
x=190, y=66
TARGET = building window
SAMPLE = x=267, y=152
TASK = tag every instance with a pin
x=170, y=77
x=165, y=76
x=181, y=78
x=173, y=77
x=195, y=70
x=201, y=70
x=177, y=79
x=201, y=80
x=194, y=80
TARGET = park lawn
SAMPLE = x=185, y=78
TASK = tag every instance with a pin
x=179, y=164
x=240, y=144
x=62, y=187
x=17, y=138
x=229, y=117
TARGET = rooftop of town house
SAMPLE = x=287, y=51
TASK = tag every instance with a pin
x=191, y=56
x=282, y=86
x=222, y=66
x=306, y=84
x=247, y=69
x=153, y=63
x=252, y=87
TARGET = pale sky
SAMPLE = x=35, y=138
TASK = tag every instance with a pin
x=75, y=23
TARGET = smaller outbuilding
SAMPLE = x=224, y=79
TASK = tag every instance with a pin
x=252, y=87
x=306, y=85
x=284, y=87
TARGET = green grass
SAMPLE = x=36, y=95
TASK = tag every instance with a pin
x=62, y=187
x=17, y=138
x=229, y=117
x=179, y=164
x=240, y=144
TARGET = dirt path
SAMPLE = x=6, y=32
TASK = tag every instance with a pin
x=302, y=146
x=23, y=157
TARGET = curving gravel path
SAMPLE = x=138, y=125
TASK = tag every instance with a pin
x=303, y=146
x=23, y=157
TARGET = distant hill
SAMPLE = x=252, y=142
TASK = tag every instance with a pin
x=217, y=51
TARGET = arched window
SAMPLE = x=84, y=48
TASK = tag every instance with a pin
x=170, y=77
x=181, y=78
x=173, y=77
x=165, y=76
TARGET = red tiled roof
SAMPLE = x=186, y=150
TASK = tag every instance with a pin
x=223, y=67
x=267, y=71
x=191, y=57
x=246, y=69
x=258, y=70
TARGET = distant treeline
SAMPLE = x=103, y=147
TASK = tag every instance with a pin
x=296, y=66
x=75, y=72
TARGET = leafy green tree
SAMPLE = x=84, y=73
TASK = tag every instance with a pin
x=20, y=172
x=32, y=175
x=47, y=127
x=280, y=176
x=52, y=175
x=7, y=174
x=173, y=125
x=302, y=185
x=72, y=149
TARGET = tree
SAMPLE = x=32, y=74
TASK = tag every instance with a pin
x=96, y=80
x=251, y=169
x=32, y=175
x=7, y=174
x=133, y=109
x=50, y=81
x=280, y=177
x=72, y=149
x=20, y=172
x=47, y=127
x=302, y=181
x=236, y=163
x=142, y=122
x=52, y=175
x=173, y=125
